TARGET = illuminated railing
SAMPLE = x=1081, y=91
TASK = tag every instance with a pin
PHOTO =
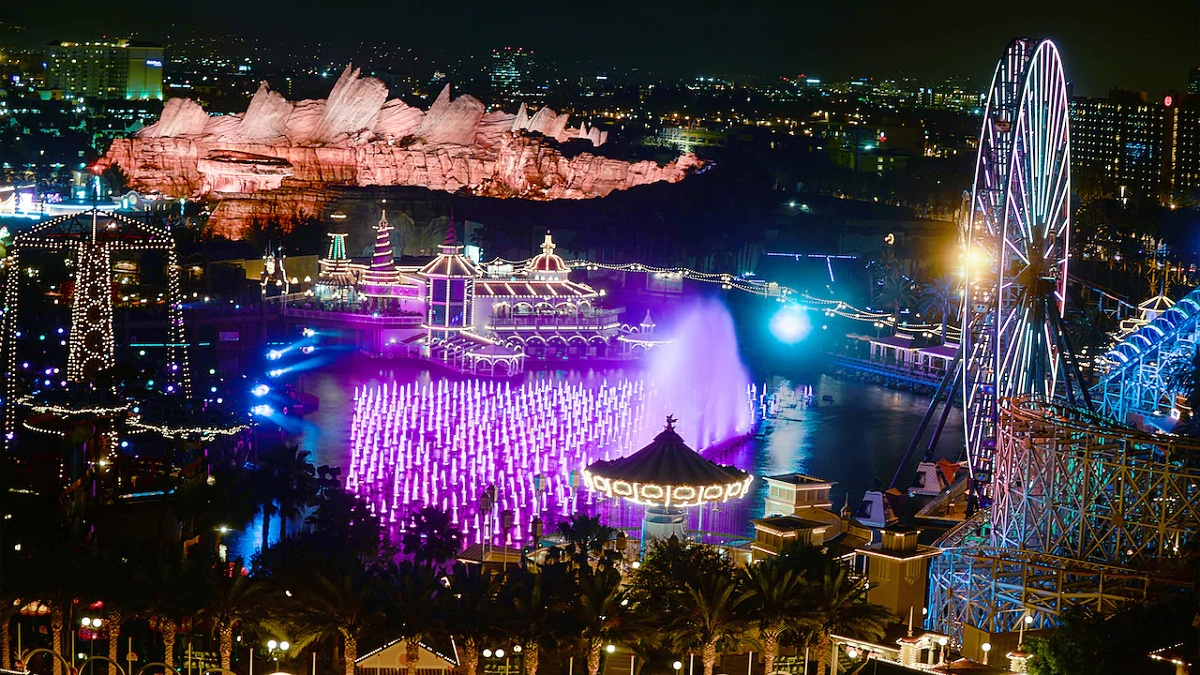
x=926, y=374
x=407, y=320
x=564, y=321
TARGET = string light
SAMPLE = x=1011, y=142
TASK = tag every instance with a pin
x=652, y=494
x=89, y=240
x=830, y=307
x=184, y=432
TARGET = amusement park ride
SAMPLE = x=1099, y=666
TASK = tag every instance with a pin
x=1067, y=503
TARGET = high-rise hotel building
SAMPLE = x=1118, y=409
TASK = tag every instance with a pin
x=511, y=74
x=121, y=69
x=1145, y=148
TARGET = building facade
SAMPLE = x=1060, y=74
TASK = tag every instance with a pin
x=1142, y=148
x=482, y=319
x=511, y=74
x=121, y=69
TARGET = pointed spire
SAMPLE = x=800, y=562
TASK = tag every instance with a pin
x=337, y=246
x=383, y=260
x=451, y=234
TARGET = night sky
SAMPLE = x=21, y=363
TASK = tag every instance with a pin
x=1106, y=43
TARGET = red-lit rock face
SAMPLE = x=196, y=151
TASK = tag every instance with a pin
x=267, y=158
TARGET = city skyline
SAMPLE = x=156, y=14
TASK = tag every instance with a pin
x=1152, y=49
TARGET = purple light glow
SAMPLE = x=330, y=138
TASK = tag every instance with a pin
x=444, y=443
x=699, y=378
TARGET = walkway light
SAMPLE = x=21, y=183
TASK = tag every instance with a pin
x=610, y=648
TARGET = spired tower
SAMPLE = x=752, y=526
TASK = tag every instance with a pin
x=383, y=262
x=450, y=289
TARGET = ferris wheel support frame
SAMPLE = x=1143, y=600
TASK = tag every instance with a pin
x=1015, y=229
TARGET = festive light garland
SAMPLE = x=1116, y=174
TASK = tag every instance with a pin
x=28, y=401
x=183, y=432
x=781, y=293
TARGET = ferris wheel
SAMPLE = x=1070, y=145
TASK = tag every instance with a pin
x=1016, y=233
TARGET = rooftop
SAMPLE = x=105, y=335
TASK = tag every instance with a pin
x=781, y=524
x=799, y=479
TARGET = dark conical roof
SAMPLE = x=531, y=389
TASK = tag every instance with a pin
x=667, y=460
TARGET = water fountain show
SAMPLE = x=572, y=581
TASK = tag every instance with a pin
x=445, y=443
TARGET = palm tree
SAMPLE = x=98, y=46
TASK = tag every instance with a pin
x=55, y=575
x=113, y=573
x=166, y=587
x=601, y=611
x=941, y=299
x=771, y=600
x=538, y=612
x=713, y=615
x=342, y=604
x=8, y=612
x=837, y=603
x=896, y=291
x=413, y=608
x=471, y=614
x=586, y=538
x=431, y=537
x=292, y=483
x=231, y=597
x=265, y=491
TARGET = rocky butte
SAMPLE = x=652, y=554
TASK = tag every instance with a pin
x=287, y=160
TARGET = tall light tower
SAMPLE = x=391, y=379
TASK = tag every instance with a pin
x=91, y=238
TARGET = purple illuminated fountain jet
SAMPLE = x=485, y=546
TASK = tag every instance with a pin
x=699, y=379
x=447, y=442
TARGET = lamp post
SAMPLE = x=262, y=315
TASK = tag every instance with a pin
x=508, y=518
x=536, y=527
x=986, y=647
x=92, y=626
x=499, y=653
x=942, y=642
x=276, y=648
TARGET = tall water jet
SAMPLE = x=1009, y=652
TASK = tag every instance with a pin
x=699, y=378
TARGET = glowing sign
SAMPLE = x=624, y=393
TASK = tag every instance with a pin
x=154, y=63
x=1168, y=100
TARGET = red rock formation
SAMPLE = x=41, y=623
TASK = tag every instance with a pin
x=357, y=137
